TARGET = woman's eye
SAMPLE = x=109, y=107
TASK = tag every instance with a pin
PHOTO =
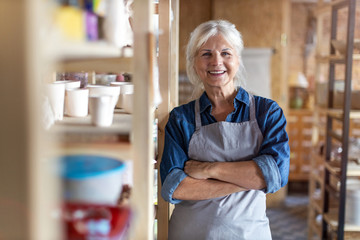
x=225, y=54
x=206, y=54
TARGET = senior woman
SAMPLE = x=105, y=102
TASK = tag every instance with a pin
x=224, y=151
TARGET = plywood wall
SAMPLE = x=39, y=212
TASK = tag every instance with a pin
x=262, y=24
x=192, y=13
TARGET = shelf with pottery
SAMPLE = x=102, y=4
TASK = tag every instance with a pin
x=82, y=126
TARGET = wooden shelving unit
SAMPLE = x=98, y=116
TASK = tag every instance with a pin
x=329, y=207
x=30, y=51
x=168, y=11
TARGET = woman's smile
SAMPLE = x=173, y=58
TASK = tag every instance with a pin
x=217, y=72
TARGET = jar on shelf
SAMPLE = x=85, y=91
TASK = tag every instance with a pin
x=298, y=94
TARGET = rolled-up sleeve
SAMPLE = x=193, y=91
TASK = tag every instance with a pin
x=171, y=182
x=270, y=171
x=274, y=154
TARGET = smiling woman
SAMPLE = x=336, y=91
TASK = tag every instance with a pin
x=216, y=64
x=232, y=44
x=224, y=151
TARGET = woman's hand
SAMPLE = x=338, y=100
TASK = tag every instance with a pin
x=197, y=169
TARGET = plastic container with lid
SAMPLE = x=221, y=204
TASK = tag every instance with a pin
x=92, y=179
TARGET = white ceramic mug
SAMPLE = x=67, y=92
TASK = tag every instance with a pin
x=56, y=94
x=98, y=90
x=101, y=110
x=127, y=102
x=76, y=102
x=71, y=84
x=125, y=88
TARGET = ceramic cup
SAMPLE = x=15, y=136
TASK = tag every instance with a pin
x=76, y=102
x=56, y=94
x=98, y=90
x=125, y=88
x=70, y=84
x=127, y=102
x=101, y=110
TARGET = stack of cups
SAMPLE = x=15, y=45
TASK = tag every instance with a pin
x=56, y=93
x=67, y=97
x=102, y=101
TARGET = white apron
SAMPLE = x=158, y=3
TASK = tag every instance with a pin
x=235, y=216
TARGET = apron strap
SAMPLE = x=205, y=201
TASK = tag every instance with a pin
x=252, y=107
x=197, y=114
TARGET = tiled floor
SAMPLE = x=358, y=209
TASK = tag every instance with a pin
x=289, y=222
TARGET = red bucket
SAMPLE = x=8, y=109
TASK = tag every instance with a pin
x=95, y=222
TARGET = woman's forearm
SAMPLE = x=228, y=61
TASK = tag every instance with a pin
x=245, y=174
x=202, y=189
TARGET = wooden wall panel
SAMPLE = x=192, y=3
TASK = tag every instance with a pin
x=300, y=17
x=192, y=13
x=261, y=23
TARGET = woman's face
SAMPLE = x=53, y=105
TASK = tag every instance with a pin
x=216, y=63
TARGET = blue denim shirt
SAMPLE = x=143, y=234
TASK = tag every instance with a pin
x=274, y=155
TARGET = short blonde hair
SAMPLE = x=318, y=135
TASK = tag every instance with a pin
x=199, y=36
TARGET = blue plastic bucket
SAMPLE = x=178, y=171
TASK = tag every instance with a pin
x=91, y=178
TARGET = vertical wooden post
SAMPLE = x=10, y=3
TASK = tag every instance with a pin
x=168, y=73
x=144, y=57
x=164, y=107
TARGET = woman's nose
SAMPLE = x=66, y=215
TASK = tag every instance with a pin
x=216, y=59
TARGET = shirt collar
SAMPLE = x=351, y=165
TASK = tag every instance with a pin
x=241, y=96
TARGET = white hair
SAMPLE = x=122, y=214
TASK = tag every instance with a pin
x=199, y=36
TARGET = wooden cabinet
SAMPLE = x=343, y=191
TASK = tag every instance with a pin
x=300, y=123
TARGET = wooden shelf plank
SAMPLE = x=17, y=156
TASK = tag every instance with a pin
x=115, y=65
x=332, y=58
x=318, y=177
x=316, y=204
x=338, y=113
x=119, y=150
x=121, y=126
x=335, y=58
x=331, y=219
x=315, y=226
x=63, y=49
x=334, y=168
